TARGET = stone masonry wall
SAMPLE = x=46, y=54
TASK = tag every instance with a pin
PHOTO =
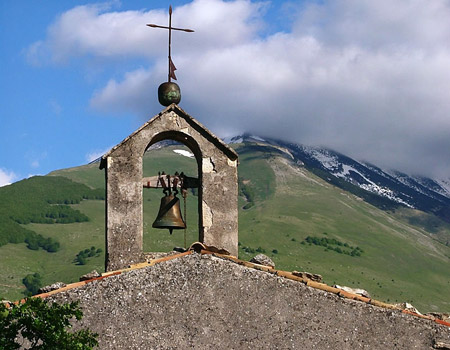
x=217, y=171
x=205, y=302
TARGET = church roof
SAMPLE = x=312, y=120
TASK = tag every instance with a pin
x=208, y=299
x=279, y=273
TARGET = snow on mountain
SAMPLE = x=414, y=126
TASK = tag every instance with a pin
x=327, y=160
x=395, y=187
x=257, y=138
x=233, y=139
x=243, y=138
x=407, y=180
x=445, y=185
x=441, y=187
x=333, y=162
x=184, y=153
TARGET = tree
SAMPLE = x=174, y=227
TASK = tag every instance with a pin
x=44, y=325
x=32, y=282
x=81, y=259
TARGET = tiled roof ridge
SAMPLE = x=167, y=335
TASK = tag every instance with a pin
x=106, y=275
x=286, y=274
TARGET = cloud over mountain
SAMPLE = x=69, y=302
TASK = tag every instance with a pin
x=6, y=177
x=368, y=78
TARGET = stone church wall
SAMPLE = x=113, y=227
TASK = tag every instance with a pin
x=205, y=302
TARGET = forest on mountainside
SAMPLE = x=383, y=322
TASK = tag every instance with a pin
x=42, y=200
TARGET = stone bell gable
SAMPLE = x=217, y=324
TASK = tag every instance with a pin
x=218, y=186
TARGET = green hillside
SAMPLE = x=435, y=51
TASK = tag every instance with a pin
x=398, y=262
x=300, y=221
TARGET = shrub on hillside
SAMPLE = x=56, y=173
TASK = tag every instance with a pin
x=32, y=282
x=83, y=255
x=35, y=241
x=333, y=244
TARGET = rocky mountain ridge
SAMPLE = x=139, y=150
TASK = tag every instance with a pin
x=386, y=189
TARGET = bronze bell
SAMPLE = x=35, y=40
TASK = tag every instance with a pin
x=169, y=215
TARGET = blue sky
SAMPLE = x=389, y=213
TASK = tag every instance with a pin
x=369, y=79
x=47, y=122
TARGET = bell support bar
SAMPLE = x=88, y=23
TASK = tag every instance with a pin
x=176, y=181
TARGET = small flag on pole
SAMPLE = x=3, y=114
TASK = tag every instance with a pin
x=172, y=69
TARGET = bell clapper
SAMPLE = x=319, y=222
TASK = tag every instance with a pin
x=184, y=195
x=168, y=185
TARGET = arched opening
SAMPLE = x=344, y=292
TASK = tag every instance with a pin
x=171, y=152
x=216, y=165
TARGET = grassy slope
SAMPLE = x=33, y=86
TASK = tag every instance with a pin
x=399, y=262
x=17, y=261
x=89, y=175
x=155, y=161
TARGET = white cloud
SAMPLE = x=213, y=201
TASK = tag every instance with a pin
x=94, y=155
x=97, y=30
x=7, y=177
x=132, y=94
x=369, y=78
x=89, y=29
x=379, y=24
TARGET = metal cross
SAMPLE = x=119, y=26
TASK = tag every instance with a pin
x=172, y=67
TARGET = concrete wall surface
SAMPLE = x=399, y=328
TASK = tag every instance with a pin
x=206, y=302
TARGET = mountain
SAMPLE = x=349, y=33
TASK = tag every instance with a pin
x=386, y=189
x=414, y=192
x=290, y=207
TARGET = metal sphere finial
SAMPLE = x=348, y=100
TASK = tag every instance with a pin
x=168, y=93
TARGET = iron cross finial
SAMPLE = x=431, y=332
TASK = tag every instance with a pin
x=172, y=67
